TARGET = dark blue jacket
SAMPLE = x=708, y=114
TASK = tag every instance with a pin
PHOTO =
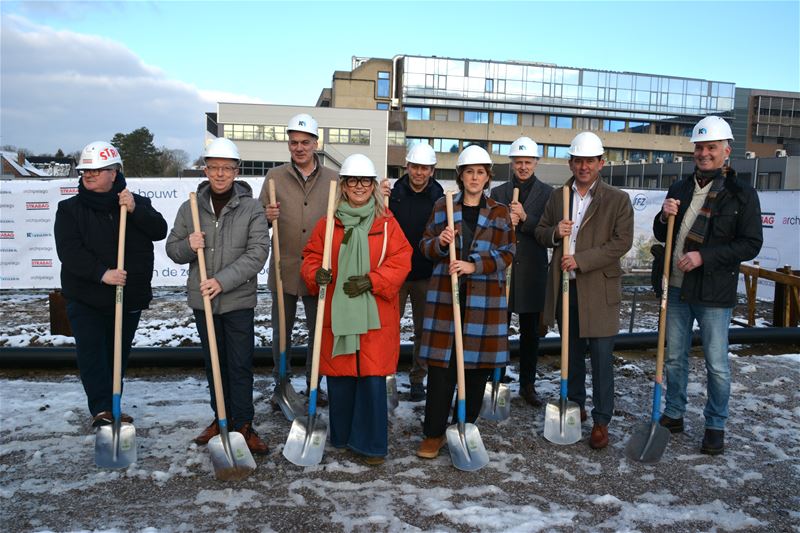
x=734, y=235
x=412, y=210
x=86, y=234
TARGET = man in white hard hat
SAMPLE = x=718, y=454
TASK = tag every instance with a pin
x=529, y=270
x=301, y=191
x=411, y=201
x=234, y=235
x=717, y=226
x=598, y=232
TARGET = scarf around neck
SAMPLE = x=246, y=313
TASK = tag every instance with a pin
x=352, y=317
x=697, y=233
x=102, y=201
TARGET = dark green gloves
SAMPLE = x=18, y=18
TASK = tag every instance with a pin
x=356, y=285
x=323, y=276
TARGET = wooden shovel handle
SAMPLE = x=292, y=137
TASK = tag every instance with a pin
x=565, y=292
x=117, y=377
x=514, y=198
x=456, y=302
x=276, y=255
x=662, y=316
x=326, y=264
x=210, y=331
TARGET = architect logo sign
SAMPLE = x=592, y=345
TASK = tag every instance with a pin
x=34, y=191
x=42, y=278
x=791, y=221
x=5, y=250
x=42, y=263
x=65, y=191
x=37, y=220
x=37, y=206
x=6, y=206
x=35, y=235
x=7, y=235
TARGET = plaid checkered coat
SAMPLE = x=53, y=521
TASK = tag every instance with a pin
x=485, y=327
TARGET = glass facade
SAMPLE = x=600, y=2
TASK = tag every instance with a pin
x=521, y=85
x=254, y=132
x=446, y=145
x=383, y=85
x=505, y=119
x=395, y=138
x=348, y=136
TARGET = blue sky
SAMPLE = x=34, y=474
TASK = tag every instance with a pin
x=74, y=72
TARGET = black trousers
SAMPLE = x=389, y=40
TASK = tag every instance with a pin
x=528, y=347
x=439, y=397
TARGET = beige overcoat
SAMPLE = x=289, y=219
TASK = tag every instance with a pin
x=604, y=237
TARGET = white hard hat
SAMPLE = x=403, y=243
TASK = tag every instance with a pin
x=473, y=155
x=358, y=165
x=524, y=147
x=711, y=129
x=586, y=144
x=98, y=154
x=421, y=154
x=222, y=148
x=303, y=122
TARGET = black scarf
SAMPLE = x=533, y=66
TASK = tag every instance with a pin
x=103, y=201
x=524, y=187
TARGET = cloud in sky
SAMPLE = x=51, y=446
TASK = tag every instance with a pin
x=62, y=89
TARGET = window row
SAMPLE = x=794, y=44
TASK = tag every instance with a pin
x=552, y=121
x=261, y=132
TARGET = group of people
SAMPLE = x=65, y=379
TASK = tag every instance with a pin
x=381, y=257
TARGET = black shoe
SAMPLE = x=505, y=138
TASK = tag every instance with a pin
x=713, y=442
x=674, y=425
x=528, y=393
x=417, y=392
x=322, y=398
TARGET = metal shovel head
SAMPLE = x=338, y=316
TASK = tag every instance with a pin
x=230, y=456
x=392, y=396
x=496, y=401
x=306, y=441
x=562, y=422
x=288, y=399
x=466, y=447
x=115, y=451
x=648, y=442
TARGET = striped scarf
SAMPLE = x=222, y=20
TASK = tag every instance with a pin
x=697, y=233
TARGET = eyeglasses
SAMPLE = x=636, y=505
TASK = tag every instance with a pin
x=226, y=169
x=96, y=171
x=365, y=181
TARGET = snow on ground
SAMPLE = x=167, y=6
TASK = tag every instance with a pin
x=50, y=482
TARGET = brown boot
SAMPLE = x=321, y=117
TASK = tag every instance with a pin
x=105, y=418
x=254, y=442
x=528, y=393
x=430, y=446
x=599, y=438
x=211, y=431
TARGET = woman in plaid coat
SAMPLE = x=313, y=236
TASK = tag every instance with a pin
x=484, y=247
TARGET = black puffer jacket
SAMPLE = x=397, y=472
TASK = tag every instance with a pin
x=412, y=210
x=86, y=233
x=734, y=235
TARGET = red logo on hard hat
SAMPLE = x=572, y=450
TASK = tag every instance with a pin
x=107, y=153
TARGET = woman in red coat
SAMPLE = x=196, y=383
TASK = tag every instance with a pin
x=370, y=258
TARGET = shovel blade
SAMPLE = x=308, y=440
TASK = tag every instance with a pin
x=466, y=447
x=392, y=396
x=230, y=456
x=647, y=443
x=105, y=455
x=306, y=441
x=496, y=401
x=288, y=399
x=562, y=422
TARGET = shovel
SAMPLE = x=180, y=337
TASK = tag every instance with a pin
x=290, y=402
x=648, y=442
x=562, y=419
x=496, y=399
x=115, y=444
x=497, y=396
x=392, y=395
x=230, y=455
x=306, y=441
x=463, y=440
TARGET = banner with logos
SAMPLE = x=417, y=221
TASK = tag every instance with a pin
x=28, y=256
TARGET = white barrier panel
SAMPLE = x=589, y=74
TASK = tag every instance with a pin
x=28, y=256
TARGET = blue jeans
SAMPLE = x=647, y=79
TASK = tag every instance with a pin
x=714, y=323
x=359, y=417
x=235, y=334
x=94, y=345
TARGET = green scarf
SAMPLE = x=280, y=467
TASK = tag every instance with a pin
x=351, y=317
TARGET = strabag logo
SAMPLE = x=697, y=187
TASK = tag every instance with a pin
x=46, y=263
x=37, y=206
x=6, y=234
x=767, y=220
x=68, y=190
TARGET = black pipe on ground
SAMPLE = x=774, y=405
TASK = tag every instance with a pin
x=63, y=356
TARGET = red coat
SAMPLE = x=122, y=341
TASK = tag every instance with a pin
x=380, y=348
